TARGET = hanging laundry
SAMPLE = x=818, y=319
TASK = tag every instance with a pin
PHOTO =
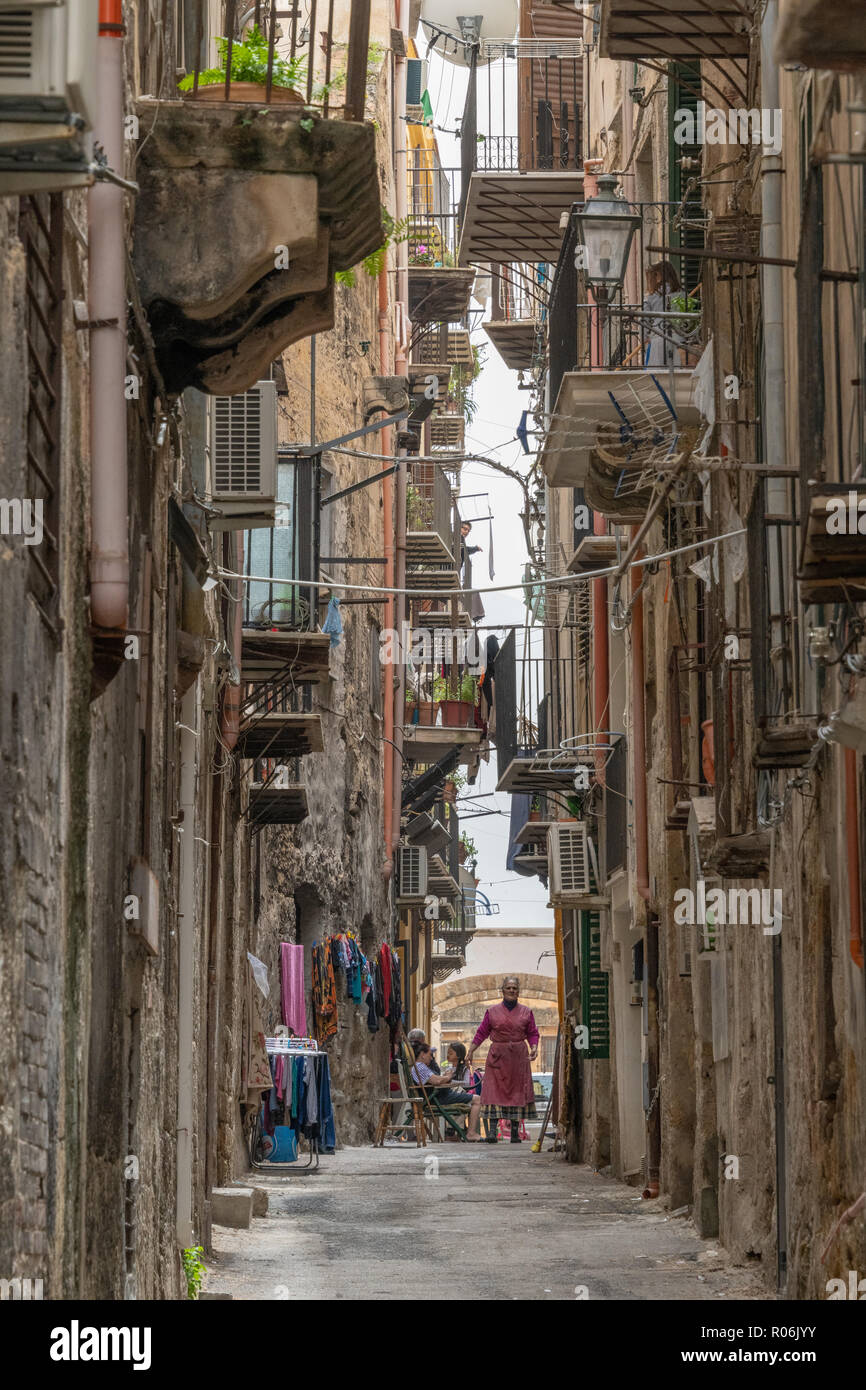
x=324, y=993
x=292, y=988
x=333, y=623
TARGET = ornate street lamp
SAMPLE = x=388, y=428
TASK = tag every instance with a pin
x=606, y=227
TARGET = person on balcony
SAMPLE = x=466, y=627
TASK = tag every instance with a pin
x=476, y=607
x=506, y=1091
x=662, y=283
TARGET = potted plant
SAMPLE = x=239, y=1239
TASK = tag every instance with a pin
x=249, y=74
x=420, y=711
x=467, y=848
x=535, y=809
x=452, y=786
x=456, y=695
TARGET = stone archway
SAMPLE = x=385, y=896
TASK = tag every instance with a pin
x=459, y=1005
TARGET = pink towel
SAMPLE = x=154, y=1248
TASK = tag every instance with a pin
x=292, y=987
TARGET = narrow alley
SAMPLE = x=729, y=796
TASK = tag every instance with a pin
x=433, y=664
x=466, y=1221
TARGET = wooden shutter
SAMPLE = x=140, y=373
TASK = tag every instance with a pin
x=594, y=987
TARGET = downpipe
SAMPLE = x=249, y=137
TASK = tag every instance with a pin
x=109, y=544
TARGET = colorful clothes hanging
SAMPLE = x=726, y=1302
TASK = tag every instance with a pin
x=324, y=993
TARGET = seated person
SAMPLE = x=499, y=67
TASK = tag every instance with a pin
x=421, y=1072
x=459, y=1072
x=416, y=1036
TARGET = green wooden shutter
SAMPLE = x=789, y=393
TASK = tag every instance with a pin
x=594, y=987
x=684, y=84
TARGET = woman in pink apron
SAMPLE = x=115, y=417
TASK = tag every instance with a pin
x=506, y=1092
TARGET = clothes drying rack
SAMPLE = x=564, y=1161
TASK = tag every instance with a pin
x=287, y=1047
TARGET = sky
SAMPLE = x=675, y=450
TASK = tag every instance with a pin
x=522, y=901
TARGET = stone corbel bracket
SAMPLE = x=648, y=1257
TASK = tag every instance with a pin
x=243, y=217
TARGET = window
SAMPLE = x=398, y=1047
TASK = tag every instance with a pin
x=41, y=231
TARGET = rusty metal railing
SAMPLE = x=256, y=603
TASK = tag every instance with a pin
x=282, y=51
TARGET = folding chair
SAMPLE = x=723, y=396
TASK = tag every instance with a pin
x=439, y=1116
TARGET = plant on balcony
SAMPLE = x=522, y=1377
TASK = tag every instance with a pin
x=250, y=66
x=685, y=304
x=456, y=695
x=373, y=265
x=419, y=510
x=420, y=711
x=452, y=786
x=462, y=381
x=468, y=848
x=535, y=809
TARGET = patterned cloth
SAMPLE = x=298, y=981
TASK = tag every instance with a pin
x=324, y=992
x=509, y=1112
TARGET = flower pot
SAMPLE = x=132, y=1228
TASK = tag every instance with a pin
x=449, y=792
x=534, y=816
x=461, y=853
x=250, y=93
x=456, y=713
x=427, y=711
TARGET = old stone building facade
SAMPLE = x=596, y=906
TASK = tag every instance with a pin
x=137, y=872
x=716, y=691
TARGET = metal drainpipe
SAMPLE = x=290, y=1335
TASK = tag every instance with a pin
x=852, y=829
x=388, y=525
x=638, y=739
x=773, y=412
x=400, y=364
x=109, y=545
x=600, y=632
x=230, y=721
x=186, y=972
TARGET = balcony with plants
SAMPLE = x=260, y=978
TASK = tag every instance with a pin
x=442, y=710
x=439, y=290
x=258, y=183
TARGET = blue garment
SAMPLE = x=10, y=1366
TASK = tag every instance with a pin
x=333, y=623
x=327, y=1129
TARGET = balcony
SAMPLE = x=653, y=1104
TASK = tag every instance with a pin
x=447, y=430
x=280, y=638
x=518, y=309
x=439, y=290
x=251, y=198
x=523, y=179
x=819, y=36
x=538, y=743
x=441, y=713
x=277, y=723
x=532, y=857
x=430, y=517
x=621, y=370
x=833, y=557
x=276, y=796
x=636, y=29
x=611, y=429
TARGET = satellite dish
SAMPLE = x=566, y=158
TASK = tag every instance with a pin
x=453, y=26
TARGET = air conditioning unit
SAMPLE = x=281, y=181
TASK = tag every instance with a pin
x=571, y=867
x=47, y=93
x=411, y=874
x=243, y=458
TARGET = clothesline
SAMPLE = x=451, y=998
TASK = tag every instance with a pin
x=583, y=578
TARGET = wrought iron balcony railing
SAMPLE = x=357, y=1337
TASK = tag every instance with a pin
x=291, y=54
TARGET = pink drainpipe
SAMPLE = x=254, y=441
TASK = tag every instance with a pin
x=109, y=544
